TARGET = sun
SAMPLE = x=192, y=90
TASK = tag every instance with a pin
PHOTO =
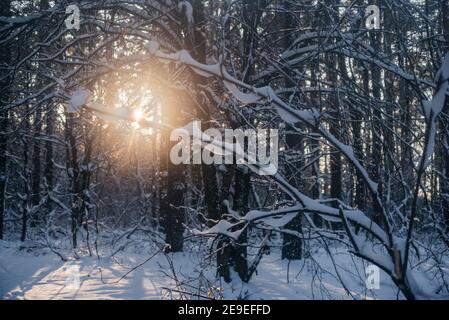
x=138, y=115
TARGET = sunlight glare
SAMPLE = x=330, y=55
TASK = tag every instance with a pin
x=138, y=115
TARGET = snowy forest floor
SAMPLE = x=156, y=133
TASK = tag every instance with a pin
x=40, y=274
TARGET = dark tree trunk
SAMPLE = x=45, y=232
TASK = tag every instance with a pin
x=292, y=245
x=5, y=57
x=171, y=207
x=36, y=159
x=209, y=172
x=72, y=163
x=334, y=129
x=376, y=166
x=314, y=139
x=445, y=178
x=25, y=176
x=239, y=253
x=172, y=200
x=49, y=130
x=234, y=254
x=36, y=176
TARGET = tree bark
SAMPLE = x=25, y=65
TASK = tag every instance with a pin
x=292, y=245
x=5, y=57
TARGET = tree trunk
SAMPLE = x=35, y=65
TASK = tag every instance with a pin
x=376, y=132
x=36, y=160
x=445, y=178
x=72, y=165
x=292, y=245
x=5, y=57
x=209, y=172
x=25, y=176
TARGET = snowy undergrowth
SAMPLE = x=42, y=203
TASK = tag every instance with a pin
x=37, y=273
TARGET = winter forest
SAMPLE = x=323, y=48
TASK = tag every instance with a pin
x=92, y=205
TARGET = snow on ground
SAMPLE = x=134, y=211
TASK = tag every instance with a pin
x=42, y=275
x=306, y=281
x=25, y=276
